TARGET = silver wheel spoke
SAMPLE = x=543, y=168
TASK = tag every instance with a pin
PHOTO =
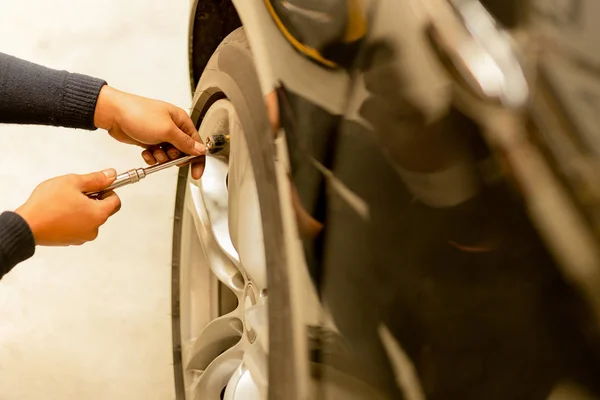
x=197, y=283
x=225, y=244
x=257, y=318
x=218, y=336
x=214, y=192
x=221, y=265
x=244, y=210
x=212, y=381
x=242, y=386
x=255, y=359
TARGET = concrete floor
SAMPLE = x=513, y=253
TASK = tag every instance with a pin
x=92, y=322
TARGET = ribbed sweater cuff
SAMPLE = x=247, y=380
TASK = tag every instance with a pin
x=79, y=101
x=16, y=241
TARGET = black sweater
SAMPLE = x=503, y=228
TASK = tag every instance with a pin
x=32, y=94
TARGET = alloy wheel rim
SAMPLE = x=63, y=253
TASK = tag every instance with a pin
x=223, y=293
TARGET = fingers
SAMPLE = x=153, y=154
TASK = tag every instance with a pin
x=178, y=136
x=109, y=204
x=184, y=135
x=184, y=122
x=89, y=237
x=96, y=180
x=160, y=154
x=198, y=168
x=149, y=157
x=173, y=153
x=186, y=143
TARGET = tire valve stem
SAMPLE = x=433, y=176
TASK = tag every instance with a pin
x=216, y=143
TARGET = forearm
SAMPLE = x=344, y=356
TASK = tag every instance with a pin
x=32, y=94
x=16, y=241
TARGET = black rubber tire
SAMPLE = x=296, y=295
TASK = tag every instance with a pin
x=231, y=73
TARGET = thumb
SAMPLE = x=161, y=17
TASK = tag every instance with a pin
x=186, y=143
x=96, y=180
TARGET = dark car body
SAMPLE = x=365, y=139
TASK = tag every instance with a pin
x=451, y=236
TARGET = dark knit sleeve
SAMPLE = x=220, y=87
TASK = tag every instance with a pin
x=16, y=241
x=32, y=94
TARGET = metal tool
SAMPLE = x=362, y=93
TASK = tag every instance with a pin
x=214, y=144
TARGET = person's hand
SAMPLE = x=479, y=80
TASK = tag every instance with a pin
x=165, y=131
x=59, y=214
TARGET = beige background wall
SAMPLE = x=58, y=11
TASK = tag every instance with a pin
x=92, y=322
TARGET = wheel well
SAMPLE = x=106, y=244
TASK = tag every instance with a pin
x=211, y=21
